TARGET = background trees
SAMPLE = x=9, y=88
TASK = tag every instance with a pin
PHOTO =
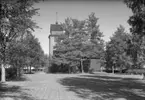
x=26, y=52
x=82, y=38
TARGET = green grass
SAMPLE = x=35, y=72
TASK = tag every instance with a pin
x=96, y=87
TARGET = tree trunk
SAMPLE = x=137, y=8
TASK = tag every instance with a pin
x=101, y=69
x=30, y=69
x=113, y=69
x=144, y=76
x=17, y=72
x=69, y=69
x=3, y=73
x=27, y=69
x=82, y=66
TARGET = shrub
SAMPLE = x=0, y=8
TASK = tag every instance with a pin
x=10, y=73
x=54, y=68
x=135, y=71
x=91, y=71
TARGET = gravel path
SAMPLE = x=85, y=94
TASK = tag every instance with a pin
x=39, y=86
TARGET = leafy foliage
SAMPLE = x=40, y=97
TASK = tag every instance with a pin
x=15, y=22
x=82, y=38
x=26, y=52
x=116, y=50
x=137, y=21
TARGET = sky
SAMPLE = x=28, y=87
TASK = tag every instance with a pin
x=111, y=14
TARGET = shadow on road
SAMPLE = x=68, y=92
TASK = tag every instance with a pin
x=103, y=87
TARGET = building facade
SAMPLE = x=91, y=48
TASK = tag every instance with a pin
x=55, y=31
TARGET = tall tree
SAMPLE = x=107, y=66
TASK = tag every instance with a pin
x=70, y=46
x=16, y=56
x=34, y=52
x=26, y=52
x=94, y=40
x=16, y=19
x=116, y=50
x=137, y=21
x=82, y=38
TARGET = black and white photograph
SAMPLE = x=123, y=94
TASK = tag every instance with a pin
x=72, y=49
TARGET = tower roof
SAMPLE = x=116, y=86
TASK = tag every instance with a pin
x=55, y=27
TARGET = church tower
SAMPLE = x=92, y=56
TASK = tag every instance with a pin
x=55, y=31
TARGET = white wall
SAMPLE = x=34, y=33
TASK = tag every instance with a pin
x=51, y=44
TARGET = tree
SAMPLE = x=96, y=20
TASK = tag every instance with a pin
x=137, y=21
x=15, y=20
x=17, y=54
x=70, y=47
x=94, y=43
x=82, y=38
x=26, y=52
x=116, y=50
x=34, y=54
x=45, y=63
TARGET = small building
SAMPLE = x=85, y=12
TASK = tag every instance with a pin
x=95, y=64
x=92, y=64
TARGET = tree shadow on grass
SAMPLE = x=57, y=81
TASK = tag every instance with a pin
x=11, y=92
x=109, y=77
x=104, y=87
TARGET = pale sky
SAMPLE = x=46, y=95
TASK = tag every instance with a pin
x=111, y=14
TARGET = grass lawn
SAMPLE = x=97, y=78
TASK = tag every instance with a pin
x=105, y=87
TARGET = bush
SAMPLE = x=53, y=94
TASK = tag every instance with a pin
x=10, y=73
x=63, y=68
x=91, y=71
x=135, y=71
x=54, y=68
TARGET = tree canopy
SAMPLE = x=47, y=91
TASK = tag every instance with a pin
x=26, y=52
x=15, y=22
x=16, y=19
x=116, y=50
x=137, y=22
x=82, y=38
